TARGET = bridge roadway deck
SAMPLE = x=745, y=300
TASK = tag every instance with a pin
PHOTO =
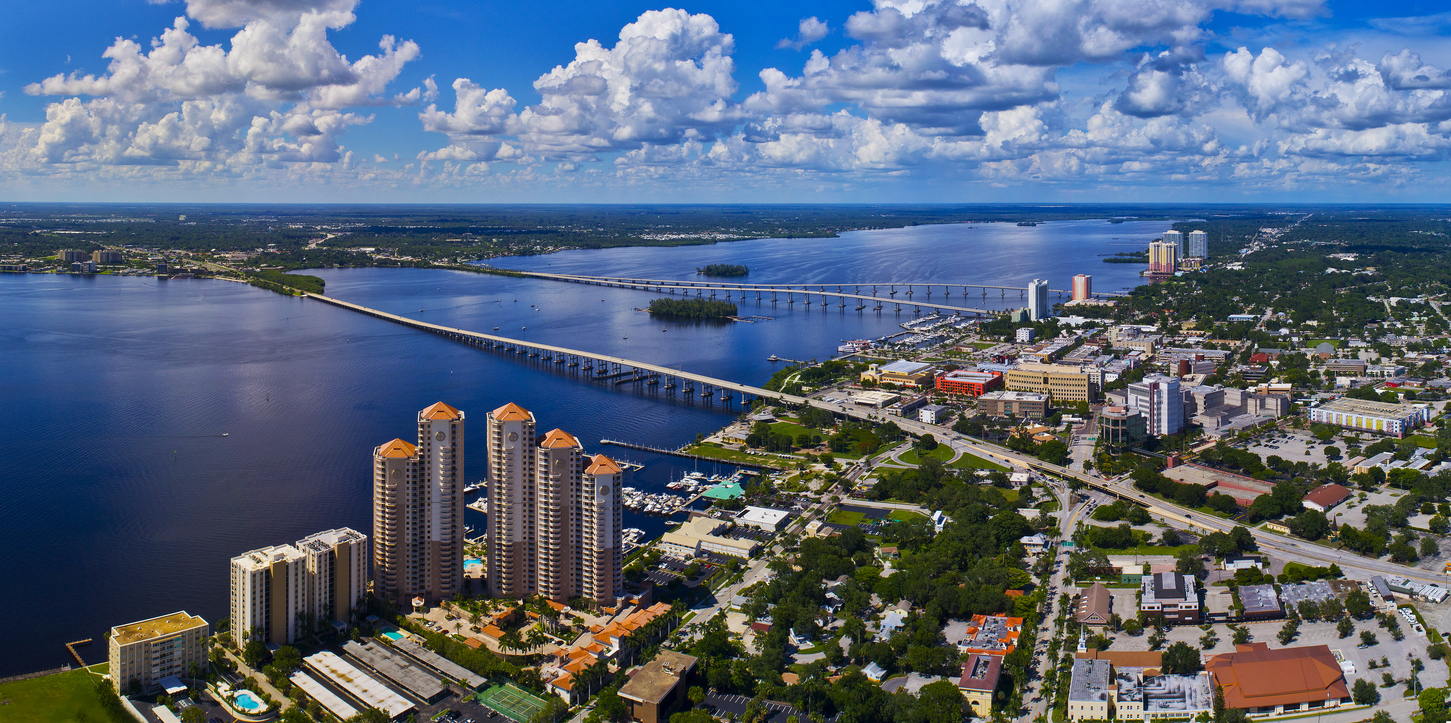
x=645, y=366
x=810, y=288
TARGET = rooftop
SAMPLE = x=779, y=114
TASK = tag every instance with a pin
x=1259, y=598
x=1168, y=586
x=1092, y=680
x=397, y=449
x=658, y=677
x=761, y=516
x=511, y=412
x=1327, y=496
x=559, y=439
x=1364, y=406
x=981, y=672
x=440, y=412
x=600, y=464
x=156, y=627
x=1016, y=396
x=902, y=366
x=357, y=683
x=1254, y=676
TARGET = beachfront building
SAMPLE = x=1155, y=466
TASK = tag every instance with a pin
x=418, y=504
x=1380, y=417
x=269, y=595
x=337, y=574
x=145, y=653
x=511, y=524
x=601, y=543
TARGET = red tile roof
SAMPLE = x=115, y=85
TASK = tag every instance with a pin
x=440, y=412
x=1254, y=676
x=1327, y=496
x=601, y=464
x=559, y=439
x=511, y=412
x=397, y=449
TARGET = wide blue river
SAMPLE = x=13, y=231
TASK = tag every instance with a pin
x=123, y=499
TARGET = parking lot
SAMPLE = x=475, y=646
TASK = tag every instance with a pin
x=468, y=712
x=1295, y=446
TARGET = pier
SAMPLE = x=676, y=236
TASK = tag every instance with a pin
x=687, y=455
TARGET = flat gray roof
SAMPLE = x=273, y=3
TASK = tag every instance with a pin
x=1259, y=598
x=448, y=668
x=396, y=668
x=1091, y=680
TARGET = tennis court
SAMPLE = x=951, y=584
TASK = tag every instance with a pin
x=511, y=701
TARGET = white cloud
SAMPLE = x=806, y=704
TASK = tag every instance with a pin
x=808, y=31
x=477, y=111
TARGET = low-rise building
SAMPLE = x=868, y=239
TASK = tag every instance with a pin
x=763, y=518
x=933, y=414
x=1383, y=417
x=992, y=635
x=1122, y=426
x=1276, y=682
x=1024, y=335
x=656, y=687
x=1347, y=367
x=1023, y=405
x=1325, y=497
x=1102, y=690
x=874, y=399
x=699, y=534
x=1095, y=605
x=979, y=679
x=1091, y=690
x=969, y=383
x=143, y=654
x=1260, y=602
x=1172, y=597
x=901, y=373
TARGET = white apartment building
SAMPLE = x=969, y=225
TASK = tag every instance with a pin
x=1159, y=399
x=1038, y=306
x=147, y=652
x=1198, y=245
x=269, y=594
x=1177, y=238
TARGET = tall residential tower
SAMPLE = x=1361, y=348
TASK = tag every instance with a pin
x=1038, y=306
x=513, y=537
x=418, y=510
x=601, y=548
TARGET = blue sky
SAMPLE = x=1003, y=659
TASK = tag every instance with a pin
x=897, y=100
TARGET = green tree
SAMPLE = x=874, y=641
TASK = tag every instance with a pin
x=696, y=695
x=939, y=702
x=253, y=653
x=1357, y=603
x=1364, y=692
x=1181, y=659
x=1367, y=638
x=1289, y=631
x=1345, y=627
x=193, y=714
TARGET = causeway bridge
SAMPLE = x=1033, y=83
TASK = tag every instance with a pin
x=604, y=368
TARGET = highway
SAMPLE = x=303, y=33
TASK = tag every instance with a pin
x=911, y=286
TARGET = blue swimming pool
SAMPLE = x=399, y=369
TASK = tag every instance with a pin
x=248, y=703
x=393, y=635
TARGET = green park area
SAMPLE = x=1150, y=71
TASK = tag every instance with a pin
x=967, y=461
x=904, y=515
x=941, y=453
x=846, y=517
x=60, y=698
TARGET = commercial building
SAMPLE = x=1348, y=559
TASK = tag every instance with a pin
x=973, y=384
x=601, y=540
x=1260, y=602
x=1022, y=405
x=933, y=414
x=1122, y=426
x=1198, y=245
x=1082, y=287
x=145, y=653
x=875, y=399
x=269, y=595
x=418, y=507
x=1159, y=399
x=1062, y=383
x=656, y=687
x=901, y=373
x=1170, y=596
x=1091, y=690
x=1163, y=257
x=1275, y=682
x=1177, y=239
x=512, y=504
x=992, y=635
x=1325, y=497
x=1382, y=417
x=1095, y=605
x=1038, y=306
x=979, y=680
x=1024, y=335
x=1101, y=689
x=699, y=534
x=763, y=518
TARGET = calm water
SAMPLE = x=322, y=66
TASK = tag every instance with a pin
x=122, y=499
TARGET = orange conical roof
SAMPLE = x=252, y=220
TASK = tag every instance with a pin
x=600, y=464
x=396, y=449
x=510, y=412
x=440, y=412
x=559, y=439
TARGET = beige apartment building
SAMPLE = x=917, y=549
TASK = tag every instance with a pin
x=510, y=565
x=1060, y=382
x=337, y=574
x=150, y=651
x=418, y=510
x=269, y=594
x=560, y=468
x=601, y=546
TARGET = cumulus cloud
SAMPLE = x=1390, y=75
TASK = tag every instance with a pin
x=809, y=31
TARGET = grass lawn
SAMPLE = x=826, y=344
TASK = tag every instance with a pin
x=941, y=453
x=1147, y=550
x=901, y=515
x=968, y=461
x=1010, y=495
x=791, y=429
x=1317, y=342
x=60, y=698
x=846, y=517
x=715, y=451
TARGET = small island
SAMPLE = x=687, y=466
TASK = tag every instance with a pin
x=722, y=270
x=692, y=308
x=1128, y=257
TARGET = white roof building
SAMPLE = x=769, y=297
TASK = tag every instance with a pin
x=763, y=518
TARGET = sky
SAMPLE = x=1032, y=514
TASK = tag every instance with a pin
x=807, y=101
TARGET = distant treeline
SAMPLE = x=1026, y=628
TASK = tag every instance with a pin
x=272, y=279
x=693, y=308
x=722, y=270
x=1128, y=257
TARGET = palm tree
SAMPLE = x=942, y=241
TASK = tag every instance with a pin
x=537, y=637
x=511, y=641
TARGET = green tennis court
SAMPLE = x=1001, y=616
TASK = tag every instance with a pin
x=511, y=701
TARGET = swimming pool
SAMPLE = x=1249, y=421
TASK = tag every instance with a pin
x=473, y=561
x=248, y=703
x=393, y=635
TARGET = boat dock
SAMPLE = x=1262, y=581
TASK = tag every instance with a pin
x=687, y=455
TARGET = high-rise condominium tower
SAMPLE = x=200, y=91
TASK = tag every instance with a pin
x=600, y=547
x=513, y=539
x=559, y=465
x=1082, y=287
x=1198, y=245
x=277, y=592
x=1163, y=257
x=418, y=506
x=1038, y=306
x=1177, y=238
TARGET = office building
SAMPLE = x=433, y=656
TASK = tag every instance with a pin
x=601, y=543
x=979, y=680
x=698, y=535
x=1038, y=306
x=1163, y=257
x=337, y=574
x=901, y=373
x=1381, y=417
x=1325, y=497
x=1082, y=287
x=512, y=505
x=1095, y=605
x=1061, y=382
x=657, y=686
x=1177, y=238
x=145, y=653
x=557, y=493
x=1277, y=682
x=109, y=257
x=418, y=503
x=1122, y=426
x=1021, y=405
x=972, y=384
x=1024, y=334
x=1198, y=245
x=269, y=595
x=1171, y=597
x=1158, y=398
